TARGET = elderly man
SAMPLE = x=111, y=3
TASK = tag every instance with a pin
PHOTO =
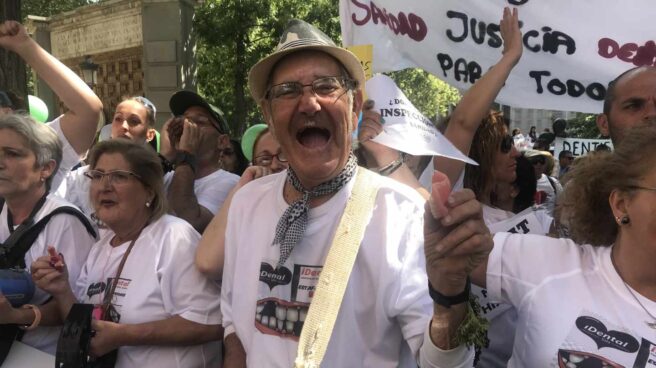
x=630, y=99
x=198, y=186
x=280, y=229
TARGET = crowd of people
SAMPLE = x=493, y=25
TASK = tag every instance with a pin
x=296, y=246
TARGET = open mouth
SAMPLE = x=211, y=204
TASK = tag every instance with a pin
x=313, y=137
x=107, y=202
x=280, y=318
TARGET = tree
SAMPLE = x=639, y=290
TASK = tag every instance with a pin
x=583, y=126
x=12, y=68
x=46, y=8
x=234, y=34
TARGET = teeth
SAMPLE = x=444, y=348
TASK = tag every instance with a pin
x=310, y=123
x=576, y=358
x=281, y=324
x=292, y=314
x=265, y=320
x=258, y=316
x=272, y=322
x=304, y=312
x=259, y=308
x=289, y=326
x=281, y=312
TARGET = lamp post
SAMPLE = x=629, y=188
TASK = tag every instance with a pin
x=89, y=71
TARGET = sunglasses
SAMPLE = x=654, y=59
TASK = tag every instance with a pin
x=538, y=160
x=507, y=143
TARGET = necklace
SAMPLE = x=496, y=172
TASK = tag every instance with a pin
x=652, y=324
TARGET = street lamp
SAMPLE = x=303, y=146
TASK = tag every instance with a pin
x=89, y=71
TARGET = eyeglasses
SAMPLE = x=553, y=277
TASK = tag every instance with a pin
x=116, y=177
x=507, y=143
x=326, y=87
x=538, y=160
x=638, y=187
x=267, y=160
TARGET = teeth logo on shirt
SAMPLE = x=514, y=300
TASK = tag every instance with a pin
x=273, y=278
x=597, y=331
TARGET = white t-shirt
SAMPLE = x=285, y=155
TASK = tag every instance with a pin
x=573, y=308
x=70, y=158
x=210, y=190
x=75, y=188
x=544, y=185
x=159, y=281
x=502, y=316
x=386, y=307
x=70, y=237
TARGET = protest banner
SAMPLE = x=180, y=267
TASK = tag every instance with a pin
x=572, y=49
x=578, y=146
x=405, y=128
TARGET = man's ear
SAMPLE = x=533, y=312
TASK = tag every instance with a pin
x=358, y=101
x=602, y=125
x=265, y=107
x=150, y=135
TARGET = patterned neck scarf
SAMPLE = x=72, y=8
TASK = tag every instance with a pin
x=292, y=224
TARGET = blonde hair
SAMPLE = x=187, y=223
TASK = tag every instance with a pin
x=584, y=204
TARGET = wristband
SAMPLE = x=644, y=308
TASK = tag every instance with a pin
x=448, y=301
x=391, y=167
x=185, y=158
x=37, y=317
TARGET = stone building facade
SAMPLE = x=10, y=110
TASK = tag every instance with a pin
x=142, y=47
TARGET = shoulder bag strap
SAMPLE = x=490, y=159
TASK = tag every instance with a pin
x=336, y=271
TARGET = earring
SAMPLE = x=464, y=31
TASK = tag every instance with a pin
x=147, y=204
x=625, y=220
x=42, y=179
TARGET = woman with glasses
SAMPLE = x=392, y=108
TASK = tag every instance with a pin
x=262, y=148
x=150, y=301
x=30, y=154
x=484, y=136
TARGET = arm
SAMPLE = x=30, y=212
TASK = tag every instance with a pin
x=234, y=355
x=181, y=195
x=173, y=331
x=475, y=103
x=378, y=155
x=79, y=123
x=210, y=251
x=455, y=243
x=24, y=316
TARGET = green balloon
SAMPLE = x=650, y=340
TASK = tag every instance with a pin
x=38, y=109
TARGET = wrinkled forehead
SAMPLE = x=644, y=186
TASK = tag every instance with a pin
x=316, y=63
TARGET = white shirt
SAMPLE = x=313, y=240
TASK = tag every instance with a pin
x=210, y=190
x=573, y=308
x=502, y=316
x=159, y=281
x=70, y=158
x=70, y=237
x=386, y=308
x=75, y=188
x=544, y=185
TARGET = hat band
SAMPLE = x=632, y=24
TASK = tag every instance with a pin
x=304, y=42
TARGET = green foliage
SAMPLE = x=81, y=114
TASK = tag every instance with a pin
x=46, y=8
x=234, y=34
x=583, y=126
x=428, y=94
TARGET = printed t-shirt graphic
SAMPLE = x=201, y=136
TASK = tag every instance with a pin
x=284, y=298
